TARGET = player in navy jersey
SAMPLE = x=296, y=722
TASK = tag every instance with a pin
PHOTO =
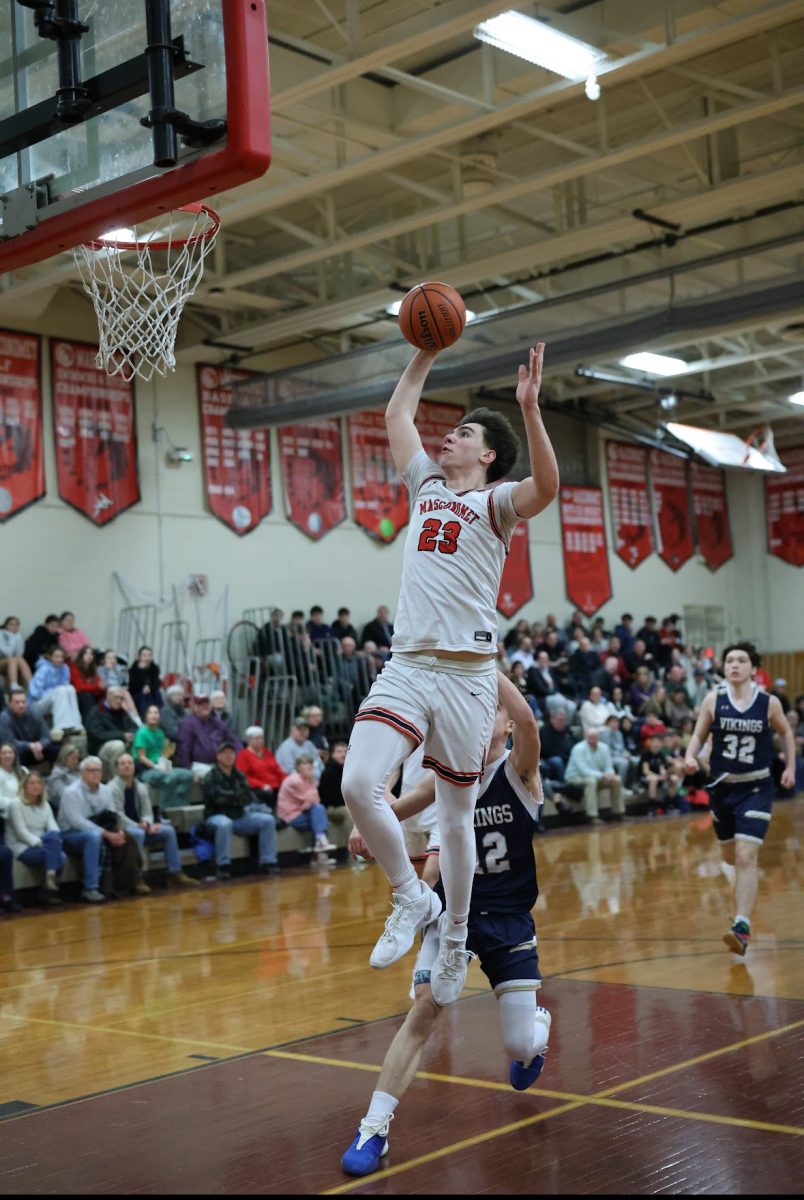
x=439, y=687
x=501, y=929
x=741, y=719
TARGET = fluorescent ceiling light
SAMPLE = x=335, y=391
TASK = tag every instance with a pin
x=393, y=311
x=654, y=364
x=541, y=44
x=796, y=398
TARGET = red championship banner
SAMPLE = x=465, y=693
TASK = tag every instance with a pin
x=671, y=507
x=22, y=464
x=711, y=514
x=516, y=585
x=237, y=462
x=312, y=473
x=784, y=508
x=583, y=536
x=380, y=497
x=628, y=492
x=434, y=421
x=96, y=434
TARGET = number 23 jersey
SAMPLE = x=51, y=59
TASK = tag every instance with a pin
x=742, y=739
x=453, y=562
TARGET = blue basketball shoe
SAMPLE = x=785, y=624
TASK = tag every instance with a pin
x=522, y=1076
x=364, y=1154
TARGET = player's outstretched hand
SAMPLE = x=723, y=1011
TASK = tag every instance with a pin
x=357, y=847
x=530, y=378
x=691, y=765
x=788, y=779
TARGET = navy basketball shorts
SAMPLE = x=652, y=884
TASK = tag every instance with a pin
x=505, y=945
x=742, y=810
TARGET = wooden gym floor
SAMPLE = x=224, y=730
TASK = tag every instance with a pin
x=227, y=1041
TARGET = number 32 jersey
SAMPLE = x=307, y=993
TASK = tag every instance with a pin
x=454, y=557
x=742, y=739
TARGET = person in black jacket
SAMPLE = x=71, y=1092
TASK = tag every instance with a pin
x=110, y=730
x=557, y=743
x=584, y=663
x=26, y=731
x=144, y=682
x=380, y=630
x=43, y=638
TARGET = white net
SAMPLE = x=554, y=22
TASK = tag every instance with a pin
x=139, y=285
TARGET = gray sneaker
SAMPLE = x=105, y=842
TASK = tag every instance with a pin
x=93, y=896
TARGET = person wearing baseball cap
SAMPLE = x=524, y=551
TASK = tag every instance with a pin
x=201, y=734
x=229, y=808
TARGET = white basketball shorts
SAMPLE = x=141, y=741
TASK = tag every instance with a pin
x=447, y=706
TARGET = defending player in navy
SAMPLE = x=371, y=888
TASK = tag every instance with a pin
x=501, y=929
x=741, y=719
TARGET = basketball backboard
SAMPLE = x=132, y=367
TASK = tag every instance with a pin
x=78, y=79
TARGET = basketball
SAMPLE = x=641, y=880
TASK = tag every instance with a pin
x=432, y=316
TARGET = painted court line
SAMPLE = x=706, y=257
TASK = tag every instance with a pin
x=477, y=1140
x=598, y=1100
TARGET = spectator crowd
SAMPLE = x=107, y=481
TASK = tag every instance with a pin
x=95, y=752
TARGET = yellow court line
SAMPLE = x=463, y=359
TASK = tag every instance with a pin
x=153, y=1037
x=700, y=1058
x=550, y=1094
x=476, y=1140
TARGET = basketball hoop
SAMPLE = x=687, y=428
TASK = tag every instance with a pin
x=139, y=283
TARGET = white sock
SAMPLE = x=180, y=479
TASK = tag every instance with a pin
x=382, y=1105
x=740, y=917
x=456, y=927
x=50, y=880
x=411, y=890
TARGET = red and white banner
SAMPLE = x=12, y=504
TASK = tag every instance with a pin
x=312, y=473
x=22, y=463
x=671, y=508
x=96, y=433
x=434, y=421
x=516, y=585
x=627, y=469
x=237, y=462
x=711, y=514
x=380, y=497
x=784, y=508
x=583, y=536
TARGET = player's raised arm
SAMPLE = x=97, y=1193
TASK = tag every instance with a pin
x=780, y=723
x=403, y=436
x=532, y=495
x=698, y=739
x=527, y=743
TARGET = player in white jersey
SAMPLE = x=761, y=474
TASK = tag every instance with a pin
x=440, y=687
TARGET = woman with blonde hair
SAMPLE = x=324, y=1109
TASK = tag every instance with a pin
x=33, y=836
x=12, y=774
x=65, y=772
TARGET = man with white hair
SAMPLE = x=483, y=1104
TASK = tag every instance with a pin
x=590, y=764
x=263, y=773
x=133, y=803
x=81, y=836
